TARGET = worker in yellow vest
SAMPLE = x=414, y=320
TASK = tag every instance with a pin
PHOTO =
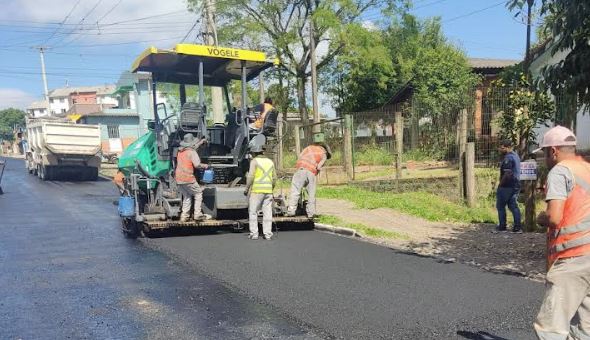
x=310, y=162
x=567, y=218
x=260, y=182
x=187, y=161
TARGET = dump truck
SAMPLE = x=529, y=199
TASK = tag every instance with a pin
x=61, y=149
x=150, y=200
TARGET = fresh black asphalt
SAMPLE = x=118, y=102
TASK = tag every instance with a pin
x=68, y=272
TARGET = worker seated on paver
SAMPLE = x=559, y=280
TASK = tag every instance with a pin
x=187, y=161
x=310, y=162
x=262, y=110
x=260, y=182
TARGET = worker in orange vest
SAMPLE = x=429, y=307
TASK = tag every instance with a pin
x=187, y=161
x=310, y=162
x=567, y=219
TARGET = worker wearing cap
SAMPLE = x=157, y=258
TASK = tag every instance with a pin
x=310, y=162
x=567, y=218
x=187, y=161
x=260, y=182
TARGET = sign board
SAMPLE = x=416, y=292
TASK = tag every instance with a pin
x=528, y=171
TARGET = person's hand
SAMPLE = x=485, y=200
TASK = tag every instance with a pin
x=204, y=141
x=205, y=166
x=542, y=218
x=246, y=192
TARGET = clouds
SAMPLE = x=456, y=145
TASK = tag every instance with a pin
x=15, y=98
x=106, y=21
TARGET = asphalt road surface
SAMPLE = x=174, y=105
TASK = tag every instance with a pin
x=66, y=272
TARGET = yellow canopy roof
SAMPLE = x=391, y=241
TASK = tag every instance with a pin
x=181, y=64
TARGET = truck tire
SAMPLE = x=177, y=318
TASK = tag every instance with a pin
x=44, y=173
x=91, y=174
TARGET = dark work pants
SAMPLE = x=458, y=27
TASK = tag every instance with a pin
x=507, y=197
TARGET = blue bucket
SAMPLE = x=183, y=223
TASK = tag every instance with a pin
x=126, y=206
x=208, y=176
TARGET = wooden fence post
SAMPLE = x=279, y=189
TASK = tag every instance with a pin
x=280, y=132
x=462, y=141
x=470, y=174
x=297, y=140
x=347, y=135
x=399, y=143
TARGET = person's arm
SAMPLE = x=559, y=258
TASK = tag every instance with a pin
x=559, y=185
x=551, y=217
x=507, y=172
x=197, y=161
x=322, y=161
x=250, y=176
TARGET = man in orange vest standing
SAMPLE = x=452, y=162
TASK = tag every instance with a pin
x=187, y=161
x=310, y=162
x=567, y=219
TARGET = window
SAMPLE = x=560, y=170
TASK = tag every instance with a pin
x=61, y=100
x=63, y=110
x=51, y=100
x=113, y=131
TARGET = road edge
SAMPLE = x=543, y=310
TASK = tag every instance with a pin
x=327, y=228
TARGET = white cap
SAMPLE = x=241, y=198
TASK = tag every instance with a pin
x=557, y=136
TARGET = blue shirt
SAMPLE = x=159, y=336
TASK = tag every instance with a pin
x=511, y=163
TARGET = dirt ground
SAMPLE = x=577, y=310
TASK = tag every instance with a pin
x=477, y=245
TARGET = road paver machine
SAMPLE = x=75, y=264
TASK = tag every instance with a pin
x=148, y=164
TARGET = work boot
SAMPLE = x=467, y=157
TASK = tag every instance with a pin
x=499, y=229
x=183, y=218
x=202, y=217
x=253, y=237
x=517, y=230
x=290, y=213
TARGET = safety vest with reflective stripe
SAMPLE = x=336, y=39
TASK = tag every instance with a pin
x=310, y=158
x=263, y=176
x=185, y=171
x=572, y=235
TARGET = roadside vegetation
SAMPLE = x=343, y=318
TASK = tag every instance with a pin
x=421, y=204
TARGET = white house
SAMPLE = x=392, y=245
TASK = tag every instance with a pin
x=541, y=58
x=38, y=109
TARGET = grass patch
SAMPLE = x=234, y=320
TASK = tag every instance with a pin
x=361, y=228
x=421, y=204
x=373, y=155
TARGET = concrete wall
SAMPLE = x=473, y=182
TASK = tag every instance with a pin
x=107, y=99
x=83, y=98
x=583, y=121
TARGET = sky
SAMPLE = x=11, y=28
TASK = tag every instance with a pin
x=90, y=42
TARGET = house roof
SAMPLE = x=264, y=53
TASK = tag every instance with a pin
x=40, y=104
x=100, y=90
x=484, y=63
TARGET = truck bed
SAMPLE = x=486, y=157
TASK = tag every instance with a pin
x=65, y=138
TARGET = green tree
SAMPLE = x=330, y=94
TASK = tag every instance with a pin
x=9, y=118
x=525, y=109
x=281, y=27
x=438, y=70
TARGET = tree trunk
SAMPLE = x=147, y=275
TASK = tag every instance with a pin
x=301, y=80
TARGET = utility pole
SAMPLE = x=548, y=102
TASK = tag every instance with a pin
x=314, y=78
x=527, y=58
x=43, y=74
x=211, y=34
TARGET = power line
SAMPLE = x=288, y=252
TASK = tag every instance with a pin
x=109, y=11
x=81, y=21
x=63, y=21
x=474, y=12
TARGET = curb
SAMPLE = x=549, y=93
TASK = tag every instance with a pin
x=336, y=230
